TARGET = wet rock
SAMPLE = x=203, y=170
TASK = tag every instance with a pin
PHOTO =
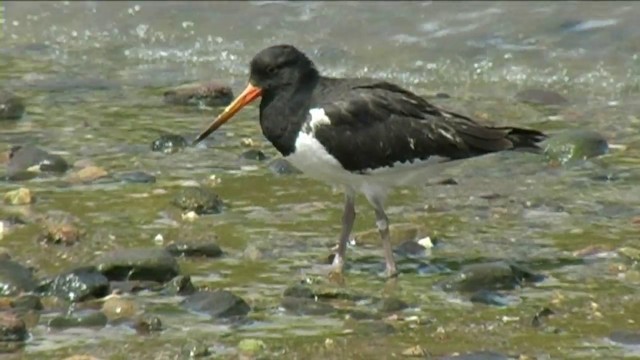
x=11, y=106
x=541, y=97
x=169, y=143
x=537, y=318
x=135, y=177
x=27, y=302
x=145, y=326
x=138, y=264
x=415, y=351
x=195, y=349
x=299, y=291
x=179, y=285
x=480, y=355
x=15, y=278
x=12, y=328
x=211, y=93
x=78, y=285
x=87, y=174
x=281, y=166
x=21, y=196
x=575, y=145
x=59, y=228
x=253, y=155
x=200, y=200
x=118, y=307
x=414, y=248
x=218, y=304
x=83, y=319
x=625, y=337
x=494, y=276
x=251, y=346
x=209, y=250
x=26, y=162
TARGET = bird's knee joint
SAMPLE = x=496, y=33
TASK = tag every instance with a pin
x=382, y=224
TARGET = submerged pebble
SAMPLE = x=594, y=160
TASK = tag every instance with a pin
x=217, y=304
x=200, y=200
x=209, y=250
x=541, y=97
x=281, y=166
x=575, y=145
x=11, y=106
x=211, y=93
x=169, y=143
x=135, y=177
x=83, y=319
x=15, y=278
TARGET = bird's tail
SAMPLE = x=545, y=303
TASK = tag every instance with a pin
x=525, y=139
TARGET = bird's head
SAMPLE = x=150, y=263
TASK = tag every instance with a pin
x=271, y=70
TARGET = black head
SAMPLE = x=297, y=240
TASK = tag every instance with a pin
x=278, y=66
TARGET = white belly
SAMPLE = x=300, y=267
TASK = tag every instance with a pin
x=313, y=160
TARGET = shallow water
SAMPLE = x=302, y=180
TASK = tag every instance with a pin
x=93, y=73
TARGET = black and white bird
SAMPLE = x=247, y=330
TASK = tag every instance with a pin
x=365, y=135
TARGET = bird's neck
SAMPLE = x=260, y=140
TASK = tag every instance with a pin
x=284, y=111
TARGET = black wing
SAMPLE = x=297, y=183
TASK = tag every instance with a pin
x=377, y=124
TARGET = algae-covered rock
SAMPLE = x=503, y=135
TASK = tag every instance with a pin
x=575, y=145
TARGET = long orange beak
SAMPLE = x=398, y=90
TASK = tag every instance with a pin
x=249, y=94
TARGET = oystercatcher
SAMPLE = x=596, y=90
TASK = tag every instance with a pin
x=363, y=134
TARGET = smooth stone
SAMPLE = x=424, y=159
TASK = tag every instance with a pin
x=218, y=304
x=208, y=250
x=210, y=93
x=494, y=276
x=118, y=307
x=11, y=106
x=138, y=264
x=169, y=143
x=199, y=199
x=253, y=155
x=575, y=145
x=21, y=196
x=87, y=175
x=145, y=326
x=83, y=319
x=251, y=346
x=625, y=337
x=179, y=285
x=78, y=285
x=195, y=349
x=135, y=286
x=12, y=327
x=541, y=97
x=15, y=278
x=281, y=166
x=27, y=161
x=135, y=177
x=411, y=248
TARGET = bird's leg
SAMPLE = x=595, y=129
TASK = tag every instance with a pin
x=382, y=222
x=348, y=218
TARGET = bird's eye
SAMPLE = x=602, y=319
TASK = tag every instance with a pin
x=271, y=70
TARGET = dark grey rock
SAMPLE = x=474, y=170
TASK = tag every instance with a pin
x=299, y=291
x=83, y=319
x=253, y=155
x=27, y=302
x=218, y=304
x=210, y=93
x=135, y=177
x=179, y=285
x=541, y=97
x=151, y=264
x=15, y=278
x=11, y=106
x=26, y=161
x=209, y=250
x=201, y=200
x=169, y=143
x=493, y=276
x=411, y=248
x=12, y=328
x=78, y=285
x=281, y=166
x=134, y=286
